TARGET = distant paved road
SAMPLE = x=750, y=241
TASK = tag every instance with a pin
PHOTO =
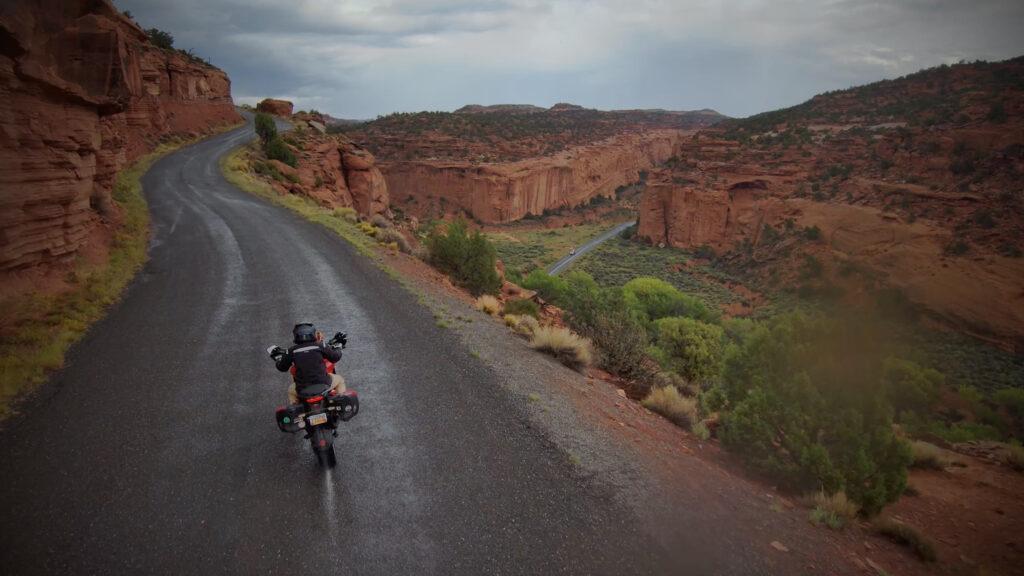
x=155, y=450
x=564, y=263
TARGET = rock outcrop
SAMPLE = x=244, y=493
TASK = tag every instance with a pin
x=865, y=190
x=503, y=192
x=281, y=108
x=83, y=93
x=332, y=170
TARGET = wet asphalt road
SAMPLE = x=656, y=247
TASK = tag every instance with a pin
x=155, y=450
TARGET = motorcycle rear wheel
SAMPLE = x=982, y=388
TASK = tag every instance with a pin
x=326, y=458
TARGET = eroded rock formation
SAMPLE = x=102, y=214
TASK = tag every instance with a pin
x=503, y=192
x=276, y=107
x=850, y=193
x=332, y=170
x=83, y=93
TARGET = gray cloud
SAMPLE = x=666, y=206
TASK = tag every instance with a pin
x=360, y=58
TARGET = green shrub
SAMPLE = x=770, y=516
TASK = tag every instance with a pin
x=265, y=127
x=469, y=258
x=909, y=387
x=803, y=401
x=691, y=348
x=812, y=233
x=550, y=288
x=654, y=299
x=601, y=315
x=276, y=149
x=522, y=307
x=160, y=39
x=1011, y=401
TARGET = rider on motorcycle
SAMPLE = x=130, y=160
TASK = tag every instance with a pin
x=308, y=355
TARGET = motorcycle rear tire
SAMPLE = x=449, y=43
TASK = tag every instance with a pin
x=326, y=457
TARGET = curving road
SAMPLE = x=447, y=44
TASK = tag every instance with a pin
x=155, y=452
x=568, y=259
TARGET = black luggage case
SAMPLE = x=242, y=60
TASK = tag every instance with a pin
x=289, y=418
x=344, y=405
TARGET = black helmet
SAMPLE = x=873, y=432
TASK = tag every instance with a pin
x=304, y=332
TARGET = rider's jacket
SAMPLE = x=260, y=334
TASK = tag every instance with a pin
x=309, y=363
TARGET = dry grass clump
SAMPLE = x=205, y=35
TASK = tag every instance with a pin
x=527, y=325
x=348, y=214
x=668, y=402
x=701, y=431
x=570, y=349
x=393, y=236
x=928, y=456
x=1013, y=456
x=369, y=229
x=380, y=221
x=834, y=511
x=908, y=536
x=511, y=320
x=488, y=304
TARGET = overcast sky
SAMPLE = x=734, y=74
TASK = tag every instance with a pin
x=361, y=58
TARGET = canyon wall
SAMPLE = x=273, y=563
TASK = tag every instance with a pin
x=495, y=193
x=82, y=94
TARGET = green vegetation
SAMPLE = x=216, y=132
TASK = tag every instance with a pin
x=274, y=146
x=276, y=149
x=160, y=39
x=265, y=127
x=523, y=251
x=469, y=258
x=39, y=329
x=617, y=262
x=690, y=348
x=801, y=402
x=522, y=307
x=655, y=299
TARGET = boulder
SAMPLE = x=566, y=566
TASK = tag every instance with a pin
x=276, y=107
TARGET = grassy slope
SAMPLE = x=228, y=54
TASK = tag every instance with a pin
x=42, y=328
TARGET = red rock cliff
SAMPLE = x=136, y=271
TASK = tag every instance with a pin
x=83, y=93
x=493, y=193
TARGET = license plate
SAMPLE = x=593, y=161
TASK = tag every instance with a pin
x=317, y=419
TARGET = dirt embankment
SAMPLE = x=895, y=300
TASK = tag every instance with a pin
x=82, y=94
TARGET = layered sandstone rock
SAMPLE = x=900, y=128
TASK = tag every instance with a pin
x=503, y=192
x=333, y=171
x=82, y=93
x=874, y=195
x=276, y=107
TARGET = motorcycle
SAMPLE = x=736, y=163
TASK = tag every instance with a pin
x=318, y=412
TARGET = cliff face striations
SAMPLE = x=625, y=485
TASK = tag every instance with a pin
x=502, y=163
x=494, y=193
x=83, y=93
